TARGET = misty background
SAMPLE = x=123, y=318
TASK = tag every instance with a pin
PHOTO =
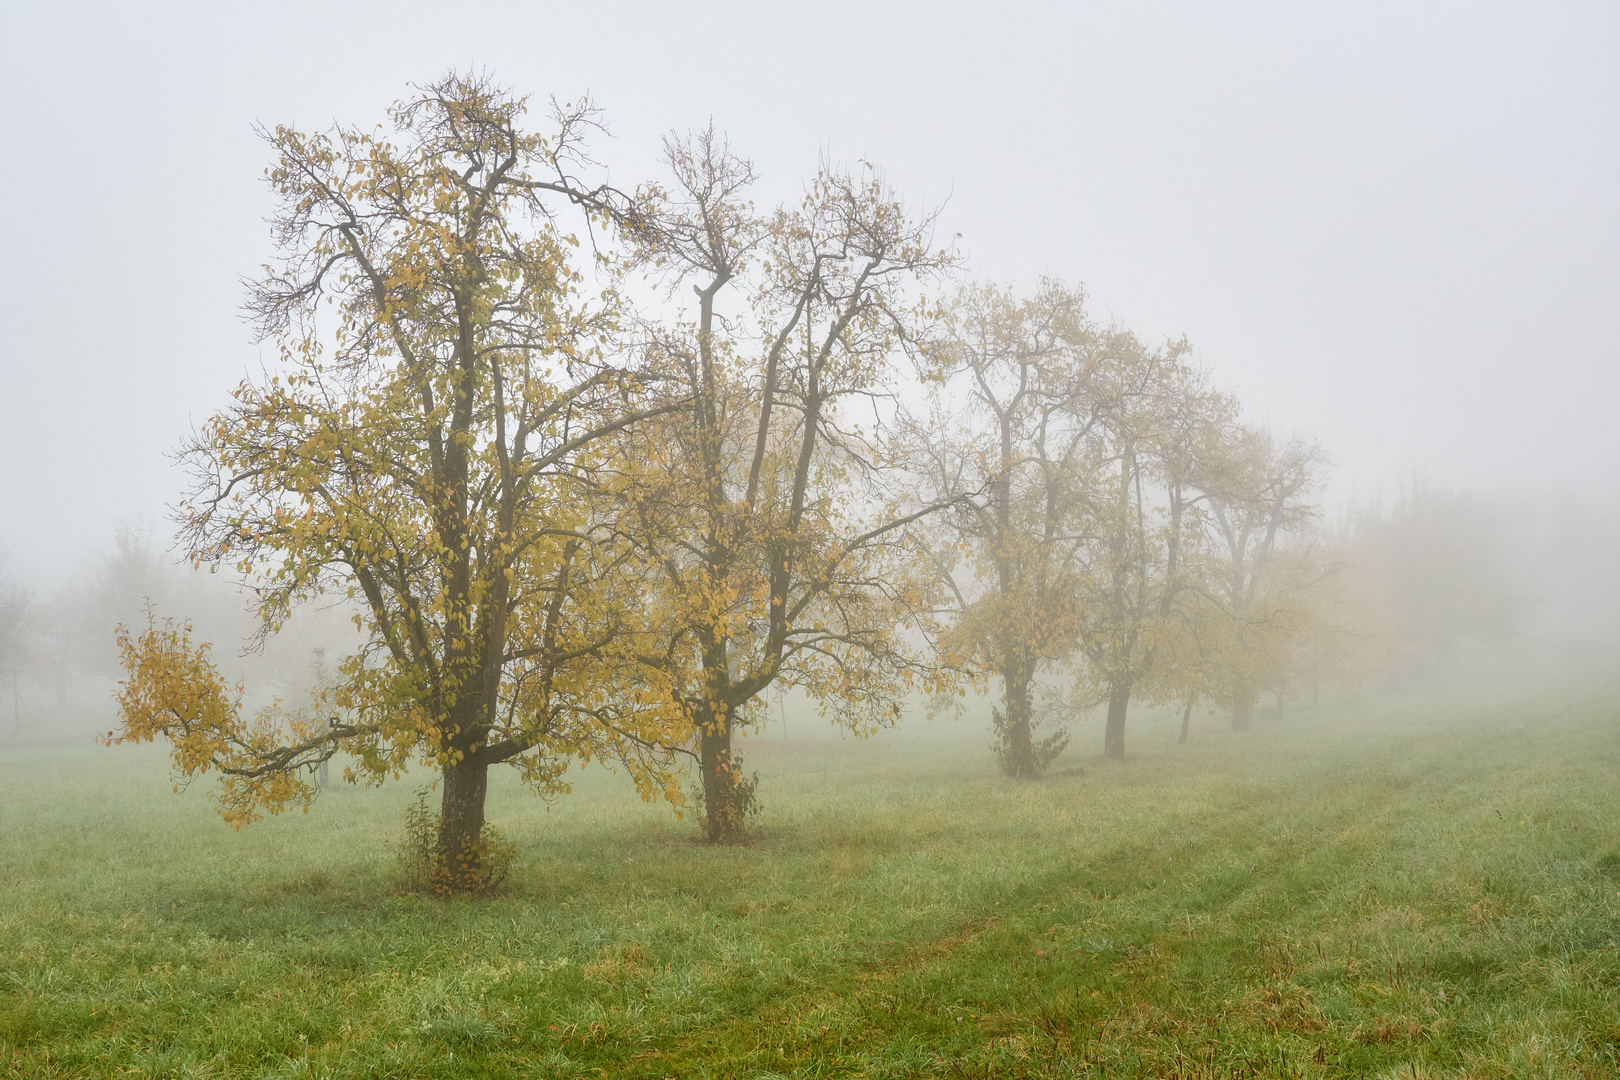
x=1392, y=227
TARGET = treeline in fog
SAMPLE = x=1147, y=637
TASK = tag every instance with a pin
x=59, y=655
x=594, y=469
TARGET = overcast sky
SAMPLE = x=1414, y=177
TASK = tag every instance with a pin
x=1394, y=226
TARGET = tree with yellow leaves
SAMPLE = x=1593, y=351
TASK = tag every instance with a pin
x=1133, y=569
x=1023, y=387
x=431, y=445
x=778, y=550
x=1261, y=500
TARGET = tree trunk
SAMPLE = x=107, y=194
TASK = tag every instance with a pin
x=1240, y=715
x=1186, y=718
x=725, y=799
x=1017, y=741
x=1119, y=701
x=461, y=825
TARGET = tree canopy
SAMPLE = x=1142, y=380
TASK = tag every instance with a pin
x=427, y=447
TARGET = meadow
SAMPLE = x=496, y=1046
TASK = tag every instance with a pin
x=1414, y=888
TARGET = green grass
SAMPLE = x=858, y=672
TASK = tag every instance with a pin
x=1414, y=890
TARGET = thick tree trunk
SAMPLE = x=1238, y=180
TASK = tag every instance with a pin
x=724, y=798
x=1186, y=718
x=1119, y=702
x=1017, y=741
x=1240, y=715
x=461, y=824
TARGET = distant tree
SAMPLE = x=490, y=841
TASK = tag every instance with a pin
x=54, y=637
x=1187, y=460
x=1134, y=571
x=1188, y=655
x=1438, y=560
x=122, y=583
x=1262, y=494
x=778, y=551
x=1339, y=621
x=427, y=452
x=1028, y=390
x=17, y=645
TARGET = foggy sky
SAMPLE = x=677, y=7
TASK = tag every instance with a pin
x=1394, y=226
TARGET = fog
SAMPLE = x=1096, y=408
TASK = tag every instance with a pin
x=1391, y=228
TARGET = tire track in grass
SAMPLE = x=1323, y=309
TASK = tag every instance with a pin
x=1297, y=875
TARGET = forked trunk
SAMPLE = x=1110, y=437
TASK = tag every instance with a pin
x=724, y=796
x=1240, y=715
x=461, y=826
x=1119, y=702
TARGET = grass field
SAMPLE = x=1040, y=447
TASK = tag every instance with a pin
x=1402, y=890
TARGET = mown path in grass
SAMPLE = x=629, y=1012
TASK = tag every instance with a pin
x=1418, y=890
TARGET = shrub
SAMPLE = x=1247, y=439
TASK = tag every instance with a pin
x=425, y=867
x=1042, y=750
x=741, y=803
